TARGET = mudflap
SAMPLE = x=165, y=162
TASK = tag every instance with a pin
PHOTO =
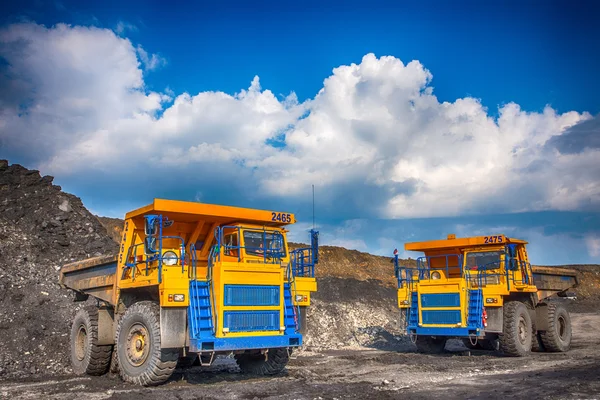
x=173, y=327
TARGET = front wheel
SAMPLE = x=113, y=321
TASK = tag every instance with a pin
x=516, y=337
x=141, y=360
x=271, y=363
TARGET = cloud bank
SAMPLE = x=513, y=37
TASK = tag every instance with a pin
x=375, y=140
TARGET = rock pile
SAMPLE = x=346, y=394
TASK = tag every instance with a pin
x=41, y=228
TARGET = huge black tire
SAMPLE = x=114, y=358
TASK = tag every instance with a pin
x=558, y=336
x=87, y=356
x=259, y=364
x=430, y=344
x=536, y=343
x=517, y=334
x=141, y=360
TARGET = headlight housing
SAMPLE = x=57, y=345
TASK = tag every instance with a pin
x=169, y=258
x=435, y=275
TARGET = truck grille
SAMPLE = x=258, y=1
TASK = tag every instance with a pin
x=440, y=300
x=245, y=321
x=441, y=317
x=251, y=295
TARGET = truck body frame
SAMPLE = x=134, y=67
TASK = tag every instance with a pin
x=459, y=288
x=223, y=278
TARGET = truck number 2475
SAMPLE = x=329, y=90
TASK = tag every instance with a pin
x=492, y=239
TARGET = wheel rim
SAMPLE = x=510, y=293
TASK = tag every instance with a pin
x=138, y=345
x=81, y=343
x=523, y=331
x=562, y=327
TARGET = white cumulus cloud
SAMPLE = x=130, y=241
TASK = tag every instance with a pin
x=375, y=140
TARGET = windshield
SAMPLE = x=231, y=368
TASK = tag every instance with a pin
x=256, y=242
x=484, y=260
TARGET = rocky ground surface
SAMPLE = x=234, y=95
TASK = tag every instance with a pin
x=354, y=347
x=362, y=373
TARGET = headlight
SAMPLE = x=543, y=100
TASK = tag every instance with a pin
x=435, y=275
x=170, y=258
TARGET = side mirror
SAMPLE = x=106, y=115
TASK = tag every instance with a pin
x=151, y=225
x=150, y=245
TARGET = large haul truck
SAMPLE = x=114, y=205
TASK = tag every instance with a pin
x=192, y=279
x=484, y=291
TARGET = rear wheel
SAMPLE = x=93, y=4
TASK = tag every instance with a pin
x=558, y=336
x=87, y=356
x=516, y=338
x=141, y=360
x=430, y=344
x=263, y=364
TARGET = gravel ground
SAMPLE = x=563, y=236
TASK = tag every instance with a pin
x=362, y=373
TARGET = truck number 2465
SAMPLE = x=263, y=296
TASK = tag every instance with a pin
x=280, y=217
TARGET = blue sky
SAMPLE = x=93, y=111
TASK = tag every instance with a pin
x=493, y=126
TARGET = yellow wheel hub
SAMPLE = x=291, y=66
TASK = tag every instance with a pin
x=81, y=343
x=137, y=344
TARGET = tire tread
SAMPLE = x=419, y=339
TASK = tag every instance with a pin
x=163, y=362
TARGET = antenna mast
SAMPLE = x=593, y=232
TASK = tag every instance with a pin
x=313, y=190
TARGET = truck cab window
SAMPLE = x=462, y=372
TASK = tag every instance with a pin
x=484, y=260
x=258, y=243
x=230, y=244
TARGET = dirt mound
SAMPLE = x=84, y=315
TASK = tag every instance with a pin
x=588, y=290
x=349, y=313
x=41, y=228
x=342, y=263
x=113, y=226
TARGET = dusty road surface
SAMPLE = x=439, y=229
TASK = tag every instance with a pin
x=363, y=373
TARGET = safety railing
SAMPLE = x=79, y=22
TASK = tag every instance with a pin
x=214, y=255
x=271, y=248
x=132, y=260
x=425, y=271
x=513, y=272
x=424, y=265
x=303, y=262
x=193, y=274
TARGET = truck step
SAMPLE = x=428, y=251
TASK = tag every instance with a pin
x=475, y=309
x=200, y=316
x=290, y=316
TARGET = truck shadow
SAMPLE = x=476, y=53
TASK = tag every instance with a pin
x=223, y=369
x=383, y=339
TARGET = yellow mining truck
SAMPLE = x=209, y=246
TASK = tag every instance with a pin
x=484, y=291
x=192, y=281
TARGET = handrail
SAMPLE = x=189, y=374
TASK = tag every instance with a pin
x=214, y=252
x=302, y=262
x=517, y=273
x=270, y=255
x=193, y=262
x=424, y=264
